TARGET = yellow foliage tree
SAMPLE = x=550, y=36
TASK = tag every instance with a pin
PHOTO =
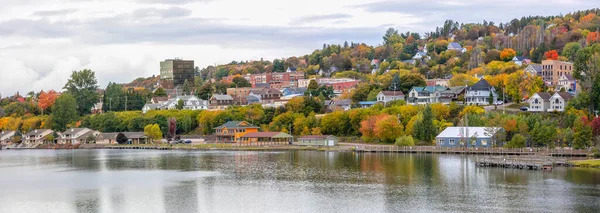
x=462, y=79
x=477, y=110
x=507, y=54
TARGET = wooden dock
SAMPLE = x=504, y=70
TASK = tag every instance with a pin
x=472, y=151
x=541, y=163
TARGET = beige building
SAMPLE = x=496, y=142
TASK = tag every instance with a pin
x=552, y=70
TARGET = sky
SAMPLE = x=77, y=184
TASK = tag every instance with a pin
x=43, y=41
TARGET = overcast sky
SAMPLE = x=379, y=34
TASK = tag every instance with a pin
x=42, y=41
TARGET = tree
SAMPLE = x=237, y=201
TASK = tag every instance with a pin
x=570, y=50
x=205, y=91
x=551, y=55
x=491, y=99
x=395, y=85
x=114, y=98
x=188, y=87
x=462, y=79
x=517, y=141
x=180, y=104
x=47, y=99
x=411, y=80
x=583, y=134
x=388, y=128
x=160, y=92
x=153, y=131
x=507, y=54
x=392, y=37
x=82, y=86
x=64, y=112
x=492, y=55
x=172, y=122
x=406, y=140
x=240, y=81
x=313, y=85
x=121, y=138
x=423, y=129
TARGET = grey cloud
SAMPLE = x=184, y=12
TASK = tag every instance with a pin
x=54, y=12
x=434, y=13
x=171, y=12
x=311, y=19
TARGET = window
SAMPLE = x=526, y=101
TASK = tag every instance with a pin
x=451, y=141
x=441, y=141
x=484, y=142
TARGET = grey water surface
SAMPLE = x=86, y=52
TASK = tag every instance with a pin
x=288, y=181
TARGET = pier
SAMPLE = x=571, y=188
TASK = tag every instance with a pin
x=472, y=151
x=521, y=162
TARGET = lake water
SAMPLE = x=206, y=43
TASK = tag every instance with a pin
x=296, y=181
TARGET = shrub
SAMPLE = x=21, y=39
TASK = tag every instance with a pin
x=406, y=140
x=517, y=141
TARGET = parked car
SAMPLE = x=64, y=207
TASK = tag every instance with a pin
x=524, y=109
x=187, y=141
x=499, y=102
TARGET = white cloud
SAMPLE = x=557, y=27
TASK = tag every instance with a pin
x=42, y=41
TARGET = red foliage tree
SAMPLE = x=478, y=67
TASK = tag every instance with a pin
x=551, y=55
x=595, y=126
x=592, y=37
x=47, y=99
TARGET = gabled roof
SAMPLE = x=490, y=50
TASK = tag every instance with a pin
x=342, y=102
x=429, y=89
x=74, y=131
x=544, y=95
x=292, y=69
x=569, y=77
x=459, y=132
x=236, y=124
x=565, y=95
x=519, y=58
x=252, y=98
x=267, y=135
x=129, y=135
x=152, y=106
x=536, y=67
x=296, y=90
x=186, y=97
x=481, y=85
x=392, y=93
x=454, y=90
x=6, y=134
x=160, y=99
x=37, y=131
x=454, y=45
x=223, y=97
x=316, y=137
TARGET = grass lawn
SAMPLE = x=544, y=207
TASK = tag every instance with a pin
x=594, y=163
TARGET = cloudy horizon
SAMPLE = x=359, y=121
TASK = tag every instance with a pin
x=43, y=41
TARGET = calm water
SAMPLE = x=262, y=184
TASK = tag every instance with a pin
x=301, y=181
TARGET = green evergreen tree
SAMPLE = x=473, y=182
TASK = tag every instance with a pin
x=395, y=85
x=64, y=112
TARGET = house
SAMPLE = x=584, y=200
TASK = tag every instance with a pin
x=97, y=108
x=159, y=100
x=291, y=69
x=559, y=101
x=317, y=140
x=424, y=95
x=421, y=55
x=552, y=70
x=38, y=136
x=519, y=60
x=534, y=69
x=456, y=47
x=375, y=65
x=452, y=94
x=437, y=82
x=232, y=131
x=148, y=107
x=191, y=102
x=267, y=96
x=341, y=104
x=387, y=96
x=567, y=83
x=539, y=102
x=293, y=91
x=251, y=99
x=266, y=137
x=469, y=136
x=479, y=93
x=132, y=138
x=6, y=137
x=366, y=104
x=410, y=62
x=77, y=136
x=220, y=101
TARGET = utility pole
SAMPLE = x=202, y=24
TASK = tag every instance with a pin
x=125, y=102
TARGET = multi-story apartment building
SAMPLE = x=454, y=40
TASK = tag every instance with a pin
x=176, y=71
x=552, y=70
x=276, y=80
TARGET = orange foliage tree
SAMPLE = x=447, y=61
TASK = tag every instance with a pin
x=507, y=54
x=367, y=127
x=592, y=37
x=47, y=99
x=388, y=128
x=551, y=55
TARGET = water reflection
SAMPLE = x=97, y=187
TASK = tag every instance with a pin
x=297, y=181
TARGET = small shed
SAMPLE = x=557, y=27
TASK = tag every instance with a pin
x=317, y=140
x=460, y=136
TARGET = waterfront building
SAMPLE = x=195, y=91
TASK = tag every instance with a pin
x=317, y=140
x=459, y=136
x=232, y=131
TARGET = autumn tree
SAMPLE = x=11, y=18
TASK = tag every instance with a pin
x=583, y=134
x=507, y=54
x=570, y=50
x=153, y=131
x=367, y=127
x=551, y=55
x=388, y=128
x=47, y=99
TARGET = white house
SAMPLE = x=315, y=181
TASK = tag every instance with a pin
x=568, y=83
x=559, y=101
x=479, y=93
x=387, y=96
x=190, y=102
x=456, y=47
x=539, y=102
x=534, y=69
x=518, y=60
x=37, y=136
x=77, y=135
x=6, y=137
x=424, y=95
